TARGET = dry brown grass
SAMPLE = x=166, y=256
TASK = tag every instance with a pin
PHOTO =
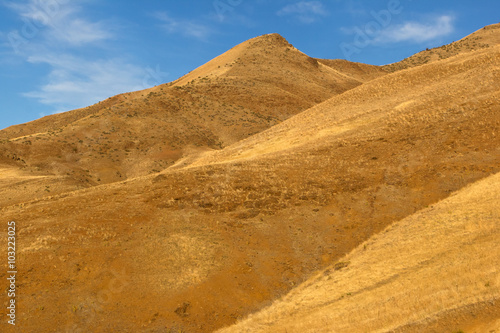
x=442, y=259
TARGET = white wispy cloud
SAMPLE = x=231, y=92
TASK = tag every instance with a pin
x=60, y=22
x=52, y=35
x=75, y=82
x=417, y=32
x=304, y=11
x=80, y=32
x=184, y=27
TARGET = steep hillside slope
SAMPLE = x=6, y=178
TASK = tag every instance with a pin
x=435, y=271
x=220, y=235
x=483, y=38
x=253, y=86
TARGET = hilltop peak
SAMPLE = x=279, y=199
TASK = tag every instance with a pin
x=261, y=56
x=270, y=39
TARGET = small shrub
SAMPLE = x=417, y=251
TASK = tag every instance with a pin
x=340, y=265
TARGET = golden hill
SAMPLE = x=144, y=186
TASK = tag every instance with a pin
x=219, y=234
x=483, y=38
x=435, y=271
x=253, y=86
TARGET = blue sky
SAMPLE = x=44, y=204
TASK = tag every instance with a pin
x=58, y=55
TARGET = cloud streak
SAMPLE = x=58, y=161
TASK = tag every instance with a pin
x=186, y=28
x=75, y=82
x=417, y=32
x=305, y=11
x=59, y=22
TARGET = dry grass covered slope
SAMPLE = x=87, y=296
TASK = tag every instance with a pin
x=435, y=271
x=220, y=234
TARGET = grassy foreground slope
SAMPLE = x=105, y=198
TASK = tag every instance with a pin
x=435, y=271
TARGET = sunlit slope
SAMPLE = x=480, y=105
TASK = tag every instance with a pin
x=435, y=271
x=354, y=70
x=485, y=37
x=19, y=186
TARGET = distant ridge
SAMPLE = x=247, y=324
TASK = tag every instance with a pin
x=483, y=38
